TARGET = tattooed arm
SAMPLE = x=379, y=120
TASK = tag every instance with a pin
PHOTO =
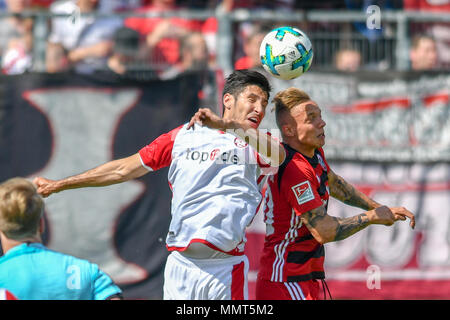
x=346, y=193
x=325, y=228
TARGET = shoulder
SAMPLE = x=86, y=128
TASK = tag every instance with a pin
x=296, y=164
x=294, y=170
x=65, y=259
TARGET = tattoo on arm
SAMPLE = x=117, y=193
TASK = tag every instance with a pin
x=315, y=217
x=351, y=225
x=345, y=192
x=329, y=228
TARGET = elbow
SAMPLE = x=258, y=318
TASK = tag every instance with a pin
x=121, y=174
x=322, y=238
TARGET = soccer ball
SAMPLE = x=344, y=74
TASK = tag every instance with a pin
x=286, y=53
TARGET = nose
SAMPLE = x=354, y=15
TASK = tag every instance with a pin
x=322, y=123
x=260, y=108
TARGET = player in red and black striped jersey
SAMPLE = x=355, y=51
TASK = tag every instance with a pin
x=296, y=199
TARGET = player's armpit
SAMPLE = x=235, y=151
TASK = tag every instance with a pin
x=348, y=194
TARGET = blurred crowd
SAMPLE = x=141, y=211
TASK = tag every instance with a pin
x=172, y=45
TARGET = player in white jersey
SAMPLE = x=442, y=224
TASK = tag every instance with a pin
x=216, y=168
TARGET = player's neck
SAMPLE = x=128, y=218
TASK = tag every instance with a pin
x=304, y=150
x=8, y=244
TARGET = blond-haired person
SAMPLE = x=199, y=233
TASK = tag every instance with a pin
x=296, y=201
x=31, y=271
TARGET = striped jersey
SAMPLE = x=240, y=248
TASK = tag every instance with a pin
x=215, y=178
x=291, y=253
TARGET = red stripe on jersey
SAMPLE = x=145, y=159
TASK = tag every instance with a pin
x=158, y=154
x=234, y=252
x=238, y=281
x=10, y=296
x=6, y=295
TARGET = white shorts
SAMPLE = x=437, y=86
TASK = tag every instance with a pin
x=205, y=279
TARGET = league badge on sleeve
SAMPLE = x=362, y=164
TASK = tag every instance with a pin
x=303, y=192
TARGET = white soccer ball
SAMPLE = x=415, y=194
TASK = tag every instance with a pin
x=286, y=53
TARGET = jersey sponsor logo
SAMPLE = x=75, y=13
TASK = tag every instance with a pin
x=303, y=192
x=226, y=157
x=214, y=154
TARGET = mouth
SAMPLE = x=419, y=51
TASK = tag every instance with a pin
x=322, y=135
x=254, y=120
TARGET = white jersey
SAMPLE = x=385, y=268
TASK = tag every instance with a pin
x=215, y=178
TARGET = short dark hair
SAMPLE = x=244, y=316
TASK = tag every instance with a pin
x=240, y=79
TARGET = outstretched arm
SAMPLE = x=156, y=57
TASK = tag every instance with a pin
x=327, y=228
x=346, y=193
x=112, y=172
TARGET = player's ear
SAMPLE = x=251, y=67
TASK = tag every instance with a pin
x=287, y=130
x=228, y=101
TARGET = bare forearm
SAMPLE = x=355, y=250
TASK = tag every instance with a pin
x=104, y=175
x=267, y=146
x=345, y=192
x=349, y=226
x=327, y=228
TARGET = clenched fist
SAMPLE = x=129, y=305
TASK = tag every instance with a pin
x=45, y=187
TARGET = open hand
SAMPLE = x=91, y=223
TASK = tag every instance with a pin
x=402, y=213
x=388, y=216
x=205, y=117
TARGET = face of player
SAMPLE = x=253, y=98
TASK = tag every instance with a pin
x=249, y=106
x=308, y=127
x=425, y=56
